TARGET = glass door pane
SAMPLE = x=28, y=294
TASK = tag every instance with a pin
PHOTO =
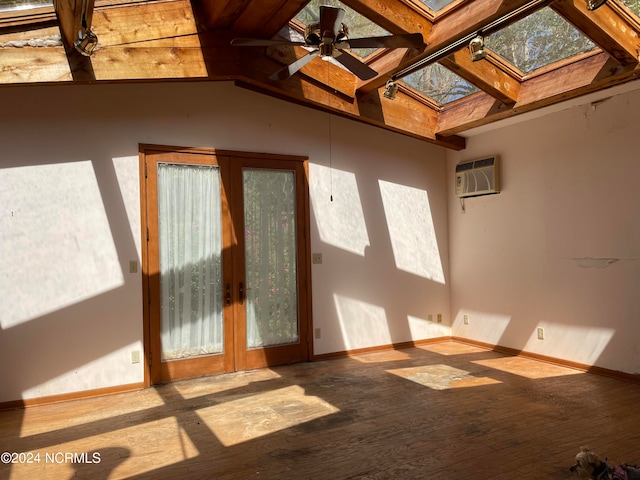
x=190, y=249
x=270, y=257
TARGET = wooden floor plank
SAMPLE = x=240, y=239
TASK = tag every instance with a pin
x=448, y=411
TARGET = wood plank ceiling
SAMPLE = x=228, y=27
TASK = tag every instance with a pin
x=190, y=40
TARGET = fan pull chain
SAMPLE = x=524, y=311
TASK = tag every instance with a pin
x=330, y=139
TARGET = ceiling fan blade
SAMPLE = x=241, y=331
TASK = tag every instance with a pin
x=361, y=70
x=292, y=68
x=407, y=40
x=330, y=21
x=258, y=42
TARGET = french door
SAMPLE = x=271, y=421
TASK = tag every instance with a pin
x=226, y=261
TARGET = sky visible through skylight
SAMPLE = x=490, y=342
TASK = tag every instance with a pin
x=8, y=5
x=541, y=39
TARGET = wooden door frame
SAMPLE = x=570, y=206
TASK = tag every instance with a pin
x=304, y=242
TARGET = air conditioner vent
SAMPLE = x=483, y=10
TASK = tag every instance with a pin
x=478, y=177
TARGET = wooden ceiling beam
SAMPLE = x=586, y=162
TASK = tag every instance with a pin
x=70, y=18
x=130, y=25
x=136, y=42
x=392, y=15
x=219, y=14
x=590, y=74
x=260, y=19
x=485, y=74
x=266, y=18
x=34, y=65
x=605, y=26
x=404, y=115
x=453, y=27
x=407, y=115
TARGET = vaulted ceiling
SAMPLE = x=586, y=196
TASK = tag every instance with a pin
x=186, y=40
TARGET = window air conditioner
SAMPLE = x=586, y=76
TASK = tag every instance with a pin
x=478, y=177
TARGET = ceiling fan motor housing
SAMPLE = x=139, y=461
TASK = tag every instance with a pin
x=314, y=37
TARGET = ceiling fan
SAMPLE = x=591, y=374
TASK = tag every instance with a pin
x=328, y=39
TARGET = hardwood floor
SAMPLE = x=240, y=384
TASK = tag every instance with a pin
x=442, y=411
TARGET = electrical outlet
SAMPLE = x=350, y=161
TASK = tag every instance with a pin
x=540, y=333
x=430, y=318
x=135, y=356
x=316, y=258
x=465, y=318
x=439, y=318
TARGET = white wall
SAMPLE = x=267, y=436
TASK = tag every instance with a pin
x=71, y=310
x=559, y=247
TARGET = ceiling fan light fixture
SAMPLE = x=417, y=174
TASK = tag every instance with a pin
x=312, y=38
x=594, y=4
x=391, y=89
x=476, y=48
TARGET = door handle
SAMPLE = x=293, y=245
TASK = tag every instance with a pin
x=227, y=294
x=241, y=293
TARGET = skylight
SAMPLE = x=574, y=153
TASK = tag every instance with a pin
x=359, y=26
x=436, y=5
x=540, y=39
x=439, y=83
x=9, y=5
x=634, y=5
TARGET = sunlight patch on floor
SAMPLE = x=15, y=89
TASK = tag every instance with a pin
x=449, y=348
x=256, y=416
x=526, y=367
x=112, y=408
x=212, y=385
x=105, y=455
x=442, y=377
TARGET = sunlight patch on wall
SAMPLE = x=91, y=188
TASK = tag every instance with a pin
x=56, y=247
x=422, y=328
x=526, y=367
x=442, y=377
x=269, y=412
x=413, y=235
x=341, y=221
x=586, y=344
x=482, y=326
x=362, y=324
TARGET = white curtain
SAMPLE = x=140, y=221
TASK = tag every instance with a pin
x=190, y=244
x=270, y=257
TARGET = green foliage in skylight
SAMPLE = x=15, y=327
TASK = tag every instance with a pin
x=439, y=83
x=540, y=39
x=634, y=5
